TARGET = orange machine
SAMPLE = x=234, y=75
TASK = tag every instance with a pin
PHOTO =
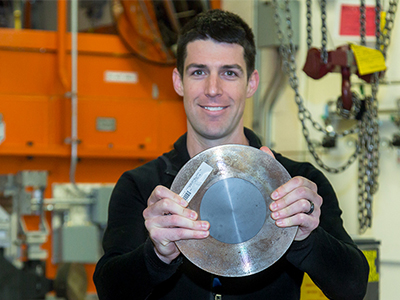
x=128, y=112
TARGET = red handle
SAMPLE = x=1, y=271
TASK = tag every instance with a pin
x=346, y=92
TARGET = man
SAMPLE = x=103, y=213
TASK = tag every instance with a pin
x=215, y=74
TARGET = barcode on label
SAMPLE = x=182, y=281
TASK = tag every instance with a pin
x=196, y=181
x=187, y=195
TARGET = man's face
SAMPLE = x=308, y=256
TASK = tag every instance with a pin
x=214, y=88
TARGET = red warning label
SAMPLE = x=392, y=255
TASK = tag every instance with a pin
x=350, y=20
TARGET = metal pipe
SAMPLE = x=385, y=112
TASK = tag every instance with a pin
x=39, y=196
x=264, y=107
x=74, y=89
x=73, y=201
x=271, y=97
x=61, y=35
x=381, y=82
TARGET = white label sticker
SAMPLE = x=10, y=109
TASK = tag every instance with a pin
x=122, y=77
x=196, y=181
x=106, y=124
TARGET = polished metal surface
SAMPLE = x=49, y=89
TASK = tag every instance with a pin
x=235, y=208
x=235, y=199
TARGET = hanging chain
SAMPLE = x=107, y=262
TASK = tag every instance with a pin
x=368, y=162
x=289, y=64
x=367, y=148
x=364, y=140
x=362, y=23
x=324, y=42
x=378, y=10
x=309, y=24
x=389, y=22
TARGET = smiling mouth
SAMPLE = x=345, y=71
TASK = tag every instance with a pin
x=213, y=108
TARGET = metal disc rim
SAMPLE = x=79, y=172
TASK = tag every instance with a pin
x=269, y=244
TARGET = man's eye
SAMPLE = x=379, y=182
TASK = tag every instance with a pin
x=230, y=73
x=198, y=72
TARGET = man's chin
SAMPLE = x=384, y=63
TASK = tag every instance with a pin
x=214, y=133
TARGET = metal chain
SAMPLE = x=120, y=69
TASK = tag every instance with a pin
x=369, y=128
x=368, y=162
x=324, y=52
x=389, y=22
x=362, y=23
x=289, y=64
x=309, y=24
x=378, y=10
x=367, y=148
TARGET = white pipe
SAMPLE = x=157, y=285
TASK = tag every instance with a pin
x=74, y=89
x=271, y=97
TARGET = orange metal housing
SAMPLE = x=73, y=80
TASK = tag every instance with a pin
x=37, y=113
x=35, y=75
x=37, y=116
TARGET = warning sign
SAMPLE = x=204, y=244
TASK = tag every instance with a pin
x=371, y=256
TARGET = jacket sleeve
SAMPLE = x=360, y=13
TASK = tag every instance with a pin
x=329, y=256
x=129, y=267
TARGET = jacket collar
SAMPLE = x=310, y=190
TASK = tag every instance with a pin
x=178, y=157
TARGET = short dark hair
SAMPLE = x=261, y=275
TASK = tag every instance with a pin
x=220, y=26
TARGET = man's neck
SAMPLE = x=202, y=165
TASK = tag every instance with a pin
x=197, y=144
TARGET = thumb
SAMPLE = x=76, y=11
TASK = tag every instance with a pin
x=267, y=150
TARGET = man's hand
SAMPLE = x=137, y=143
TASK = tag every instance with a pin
x=292, y=203
x=168, y=219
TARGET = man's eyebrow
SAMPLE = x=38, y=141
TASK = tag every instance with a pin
x=224, y=67
x=234, y=66
x=195, y=66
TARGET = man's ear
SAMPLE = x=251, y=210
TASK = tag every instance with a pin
x=252, y=85
x=177, y=81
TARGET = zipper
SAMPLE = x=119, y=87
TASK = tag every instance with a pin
x=216, y=288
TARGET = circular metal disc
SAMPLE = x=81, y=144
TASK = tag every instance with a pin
x=235, y=199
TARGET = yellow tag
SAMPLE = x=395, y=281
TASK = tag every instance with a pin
x=371, y=256
x=383, y=22
x=368, y=60
x=309, y=291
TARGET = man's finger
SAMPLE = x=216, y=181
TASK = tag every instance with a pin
x=161, y=192
x=291, y=185
x=267, y=150
x=299, y=206
x=175, y=221
x=168, y=207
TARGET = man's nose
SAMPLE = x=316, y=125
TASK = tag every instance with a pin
x=213, y=86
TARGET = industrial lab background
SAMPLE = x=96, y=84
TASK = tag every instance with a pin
x=84, y=97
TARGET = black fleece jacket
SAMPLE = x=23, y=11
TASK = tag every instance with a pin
x=130, y=269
